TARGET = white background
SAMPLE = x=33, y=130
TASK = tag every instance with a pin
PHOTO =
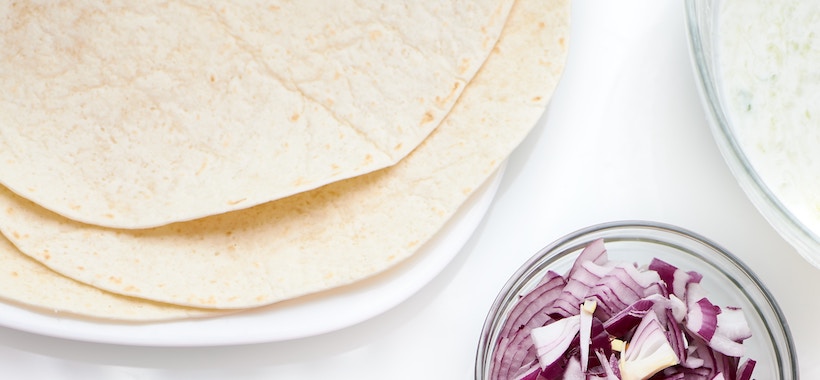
x=624, y=138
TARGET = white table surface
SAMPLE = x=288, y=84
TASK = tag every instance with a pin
x=625, y=137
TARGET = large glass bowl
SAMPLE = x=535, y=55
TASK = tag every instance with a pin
x=702, y=27
x=728, y=281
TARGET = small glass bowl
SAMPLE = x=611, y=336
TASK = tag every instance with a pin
x=701, y=27
x=727, y=280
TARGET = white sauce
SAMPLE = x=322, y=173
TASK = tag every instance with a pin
x=769, y=57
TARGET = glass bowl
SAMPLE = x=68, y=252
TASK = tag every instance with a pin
x=702, y=23
x=727, y=280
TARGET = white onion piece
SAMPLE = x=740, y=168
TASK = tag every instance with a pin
x=648, y=352
x=552, y=340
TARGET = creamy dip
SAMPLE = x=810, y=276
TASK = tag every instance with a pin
x=769, y=58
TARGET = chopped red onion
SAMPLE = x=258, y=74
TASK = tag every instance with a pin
x=612, y=320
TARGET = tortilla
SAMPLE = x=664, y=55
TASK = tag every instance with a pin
x=334, y=235
x=26, y=282
x=138, y=114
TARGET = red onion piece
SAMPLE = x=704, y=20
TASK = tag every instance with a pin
x=628, y=318
x=702, y=318
x=648, y=352
x=535, y=302
x=676, y=280
x=552, y=340
x=744, y=372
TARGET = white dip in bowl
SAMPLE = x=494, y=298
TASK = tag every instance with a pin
x=769, y=62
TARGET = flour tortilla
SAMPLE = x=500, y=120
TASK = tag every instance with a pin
x=135, y=114
x=26, y=282
x=335, y=235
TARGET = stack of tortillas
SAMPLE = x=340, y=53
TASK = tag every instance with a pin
x=162, y=160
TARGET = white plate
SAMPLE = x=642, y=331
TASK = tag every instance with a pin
x=303, y=317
